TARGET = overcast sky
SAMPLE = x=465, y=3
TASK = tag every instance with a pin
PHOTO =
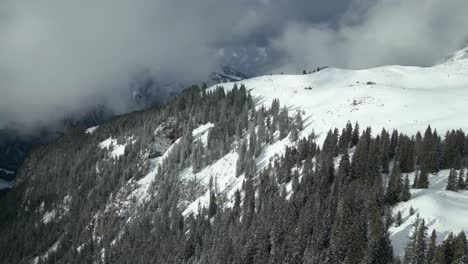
x=62, y=57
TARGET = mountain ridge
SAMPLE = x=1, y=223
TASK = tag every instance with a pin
x=126, y=159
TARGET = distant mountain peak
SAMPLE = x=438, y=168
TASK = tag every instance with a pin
x=458, y=55
x=227, y=74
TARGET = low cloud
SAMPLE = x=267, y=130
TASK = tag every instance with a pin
x=63, y=58
x=375, y=33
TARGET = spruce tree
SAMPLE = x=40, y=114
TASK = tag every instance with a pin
x=298, y=121
x=421, y=244
x=417, y=246
x=461, y=179
x=294, y=135
x=379, y=249
x=460, y=249
x=252, y=138
x=432, y=248
x=399, y=219
x=452, y=181
x=283, y=123
x=394, y=187
x=423, y=179
x=240, y=164
x=355, y=135
x=213, y=206
x=405, y=194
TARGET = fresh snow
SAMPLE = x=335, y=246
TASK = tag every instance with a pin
x=392, y=97
x=141, y=193
x=200, y=133
x=48, y=216
x=404, y=98
x=46, y=255
x=444, y=211
x=116, y=150
x=459, y=55
x=58, y=211
x=223, y=174
x=91, y=130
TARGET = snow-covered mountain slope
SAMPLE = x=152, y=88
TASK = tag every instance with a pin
x=392, y=97
x=444, y=211
x=458, y=55
x=404, y=98
x=395, y=97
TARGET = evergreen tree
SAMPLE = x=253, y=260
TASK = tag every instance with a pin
x=395, y=187
x=298, y=121
x=421, y=244
x=252, y=138
x=423, y=179
x=399, y=219
x=355, y=135
x=379, y=249
x=197, y=156
x=452, y=181
x=405, y=194
x=213, y=206
x=432, y=248
x=460, y=249
x=283, y=123
x=294, y=135
x=411, y=211
x=461, y=184
x=240, y=164
x=417, y=245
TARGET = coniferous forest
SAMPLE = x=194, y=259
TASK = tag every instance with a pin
x=329, y=203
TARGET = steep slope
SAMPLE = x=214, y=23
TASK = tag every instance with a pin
x=393, y=97
x=445, y=211
x=97, y=189
x=404, y=98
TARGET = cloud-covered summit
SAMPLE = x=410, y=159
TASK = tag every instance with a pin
x=64, y=57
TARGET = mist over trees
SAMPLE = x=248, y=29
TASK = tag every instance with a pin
x=312, y=204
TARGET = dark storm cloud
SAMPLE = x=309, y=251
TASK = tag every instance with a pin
x=63, y=57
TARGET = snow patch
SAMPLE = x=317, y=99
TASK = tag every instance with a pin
x=111, y=144
x=49, y=216
x=91, y=130
x=403, y=98
x=201, y=132
x=444, y=211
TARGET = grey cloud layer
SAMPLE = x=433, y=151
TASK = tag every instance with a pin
x=383, y=32
x=63, y=57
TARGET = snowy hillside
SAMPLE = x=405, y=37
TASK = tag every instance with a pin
x=404, y=98
x=188, y=156
x=444, y=211
x=392, y=97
